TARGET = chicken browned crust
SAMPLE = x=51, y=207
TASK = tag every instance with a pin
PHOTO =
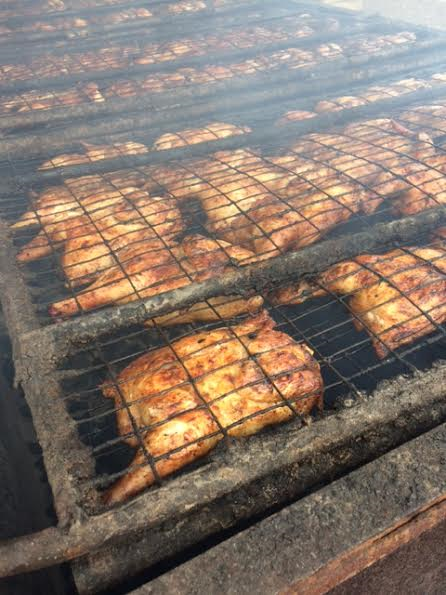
x=148, y=267
x=236, y=379
x=398, y=297
x=268, y=205
x=107, y=214
x=78, y=196
x=92, y=250
x=93, y=152
x=191, y=136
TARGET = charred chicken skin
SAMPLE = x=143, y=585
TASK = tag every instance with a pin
x=398, y=297
x=182, y=397
x=148, y=267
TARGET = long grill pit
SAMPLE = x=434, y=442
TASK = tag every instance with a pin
x=223, y=303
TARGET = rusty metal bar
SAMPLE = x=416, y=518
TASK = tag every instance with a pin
x=55, y=428
x=320, y=9
x=267, y=137
x=161, y=24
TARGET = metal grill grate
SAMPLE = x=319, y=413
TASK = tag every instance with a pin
x=244, y=283
x=119, y=245
x=349, y=367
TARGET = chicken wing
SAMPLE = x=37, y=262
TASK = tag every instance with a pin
x=398, y=297
x=235, y=380
x=148, y=268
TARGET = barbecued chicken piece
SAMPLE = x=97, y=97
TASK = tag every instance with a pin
x=378, y=154
x=186, y=6
x=431, y=118
x=92, y=251
x=426, y=187
x=148, y=267
x=123, y=16
x=372, y=94
x=268, y=225
x=439, y=234
x=42, y=100
x=234, y=379
x=401, y=87
x=78, y=196
x=192, y=136
x=104, y=216
x=95, y=153
x=295, y=116
x=379, y=141
x=398, y=297
x=267, y=205
x=340, y=103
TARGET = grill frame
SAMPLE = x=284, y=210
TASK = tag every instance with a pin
x=244, y=481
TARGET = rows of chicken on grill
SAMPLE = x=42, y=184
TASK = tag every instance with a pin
x=135, y=55
x=125, y=235
x=49, y=7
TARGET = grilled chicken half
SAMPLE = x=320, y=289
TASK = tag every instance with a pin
x=271, y=205
x=183, y=398
x=148, y=267
x=398, y=297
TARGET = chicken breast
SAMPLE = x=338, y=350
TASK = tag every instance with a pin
x=149, y=267
x=78, y=196
x=398, y=297
x=431, y=118
x=183, y=399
